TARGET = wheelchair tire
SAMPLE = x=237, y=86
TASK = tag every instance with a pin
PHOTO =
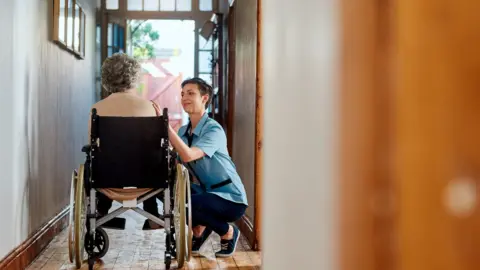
x=71, y=243
x=80, y=218
x=189, y=218
x=179, y=217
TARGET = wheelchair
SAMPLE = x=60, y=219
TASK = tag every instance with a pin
x=128, y=154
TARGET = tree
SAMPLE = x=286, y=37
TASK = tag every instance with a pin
x=143, y=38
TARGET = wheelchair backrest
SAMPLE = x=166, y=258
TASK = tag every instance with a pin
x=129, y=152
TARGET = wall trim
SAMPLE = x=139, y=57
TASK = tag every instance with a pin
x=26, y=252
x=258, y=134
x=246, y=227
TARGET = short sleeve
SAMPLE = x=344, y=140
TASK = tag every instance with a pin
x=180, y=133
x=211, y=140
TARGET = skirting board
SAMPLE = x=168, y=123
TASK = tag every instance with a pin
x=246, y=228
x=26, y=253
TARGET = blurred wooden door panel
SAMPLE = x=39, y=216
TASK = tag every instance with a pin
x=410, y=135
x=437, y=138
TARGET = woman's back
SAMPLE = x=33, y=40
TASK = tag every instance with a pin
x=125, y=104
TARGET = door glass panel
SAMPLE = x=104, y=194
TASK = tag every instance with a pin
x=134, y=5
x=184, y=5
x=115, y=35
x=167, y=5
x=121, y=38
x=98, y=35
x=206, y=5
x=204, y=44
x=109, y=35
x=151, y=5
x=204, y=61
x=206, y=77
x=112, y=4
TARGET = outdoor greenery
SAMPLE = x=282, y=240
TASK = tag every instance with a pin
x=143, y=39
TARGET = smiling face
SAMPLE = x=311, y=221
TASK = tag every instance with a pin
x=192, y=99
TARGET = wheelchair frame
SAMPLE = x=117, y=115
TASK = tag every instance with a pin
x=85, y=232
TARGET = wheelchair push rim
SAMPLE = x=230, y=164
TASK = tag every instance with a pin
x=179, y=217
x=80, y=217
x=189, y=218
x=71, y=236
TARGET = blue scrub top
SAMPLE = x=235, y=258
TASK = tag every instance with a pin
x=215, y=172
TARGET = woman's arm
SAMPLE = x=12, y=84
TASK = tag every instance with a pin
x=186, y=153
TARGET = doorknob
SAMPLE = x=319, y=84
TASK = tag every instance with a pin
x=460, y=197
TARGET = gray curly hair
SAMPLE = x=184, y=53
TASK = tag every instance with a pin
x=120, y=72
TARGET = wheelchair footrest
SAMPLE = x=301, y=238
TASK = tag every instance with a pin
x=115, y=224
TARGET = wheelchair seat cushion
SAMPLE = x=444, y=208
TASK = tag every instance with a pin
x=120, y=194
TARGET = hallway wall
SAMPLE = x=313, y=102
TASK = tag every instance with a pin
x=300, y=47
x=44, y=105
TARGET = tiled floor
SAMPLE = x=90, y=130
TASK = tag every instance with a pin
x=137, y=249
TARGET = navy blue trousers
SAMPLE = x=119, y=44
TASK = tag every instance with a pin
x=215, y=212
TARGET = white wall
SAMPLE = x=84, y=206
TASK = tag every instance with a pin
x=44, y=101
x=300, y=57
x=6, y=124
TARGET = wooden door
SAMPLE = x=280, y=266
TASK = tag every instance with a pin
x=244, y=126
x=437, y=134
x=410, y=148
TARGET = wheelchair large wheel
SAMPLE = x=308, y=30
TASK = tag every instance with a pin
x=71, y=243
x=80, y=218
x=179, y=217
x=189, y=217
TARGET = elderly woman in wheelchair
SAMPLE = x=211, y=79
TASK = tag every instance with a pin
x=128, y=160
x=218, y=195
x=119, y=74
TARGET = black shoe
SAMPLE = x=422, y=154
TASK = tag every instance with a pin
x=228, y=246
x=197, y=242
x=150, y=225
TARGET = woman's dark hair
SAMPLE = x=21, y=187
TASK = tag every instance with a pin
x=203, y=87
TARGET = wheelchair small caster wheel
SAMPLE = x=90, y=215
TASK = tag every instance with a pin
x=101, y=244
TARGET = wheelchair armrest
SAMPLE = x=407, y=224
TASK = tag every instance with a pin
x=86, y=148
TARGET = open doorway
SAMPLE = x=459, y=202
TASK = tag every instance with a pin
x=166, y=52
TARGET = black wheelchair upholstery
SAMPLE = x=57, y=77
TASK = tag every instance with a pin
x=129, y=152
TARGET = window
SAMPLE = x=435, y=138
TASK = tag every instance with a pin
x=167, y=5
x=204, y=44
x=184, y=5
x=207, y=77
x=116, y=39
x=151, y=5
x=204, y=61
x=112, y=4
x=135, y=5
x=205, y=5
